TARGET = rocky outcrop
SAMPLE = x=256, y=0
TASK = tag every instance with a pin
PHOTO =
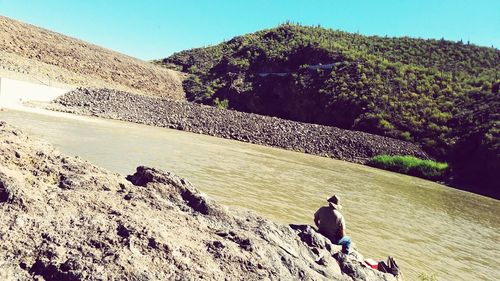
x=66, y=219
x=327, y=141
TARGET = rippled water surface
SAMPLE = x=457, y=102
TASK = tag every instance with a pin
x=426, y=226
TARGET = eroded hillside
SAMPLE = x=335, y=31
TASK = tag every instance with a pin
x=49, y=56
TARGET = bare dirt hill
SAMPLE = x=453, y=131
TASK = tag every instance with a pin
x=49, y=56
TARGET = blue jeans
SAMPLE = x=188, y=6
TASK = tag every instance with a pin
x=345, y=242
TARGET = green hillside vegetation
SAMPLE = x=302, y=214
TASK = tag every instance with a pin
x=440, y=94
x=410, y=165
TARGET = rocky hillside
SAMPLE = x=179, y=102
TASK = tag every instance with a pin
x=65, y=219
x=48, y=56
x=314, y=139
x=411, y=89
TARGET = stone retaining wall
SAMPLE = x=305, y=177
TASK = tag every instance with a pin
x=327, y=141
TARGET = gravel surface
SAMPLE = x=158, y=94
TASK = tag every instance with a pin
x=327, y=141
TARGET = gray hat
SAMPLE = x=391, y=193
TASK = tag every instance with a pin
x=334, y=202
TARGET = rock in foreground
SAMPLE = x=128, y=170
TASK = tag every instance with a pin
x=65, y=219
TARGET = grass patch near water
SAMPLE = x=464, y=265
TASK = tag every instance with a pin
x=410, y=165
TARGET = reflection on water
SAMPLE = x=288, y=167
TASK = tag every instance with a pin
x=426, y=226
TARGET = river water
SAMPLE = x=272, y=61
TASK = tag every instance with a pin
x=427, y=227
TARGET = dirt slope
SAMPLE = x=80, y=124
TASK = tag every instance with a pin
x=66, y=219
x=50, y=56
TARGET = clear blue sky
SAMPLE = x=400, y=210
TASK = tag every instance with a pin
x=154, y=29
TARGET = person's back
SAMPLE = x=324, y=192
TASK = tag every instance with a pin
x=331, y=222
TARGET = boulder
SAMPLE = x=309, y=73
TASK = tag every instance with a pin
x=66, y=219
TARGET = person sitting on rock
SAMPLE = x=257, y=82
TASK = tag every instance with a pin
x=331, y=223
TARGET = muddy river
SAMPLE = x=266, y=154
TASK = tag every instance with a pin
x=427, y=227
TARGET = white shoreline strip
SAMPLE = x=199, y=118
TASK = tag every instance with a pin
x=15, y=94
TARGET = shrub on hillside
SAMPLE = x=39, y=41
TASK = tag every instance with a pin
x=410, y=165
